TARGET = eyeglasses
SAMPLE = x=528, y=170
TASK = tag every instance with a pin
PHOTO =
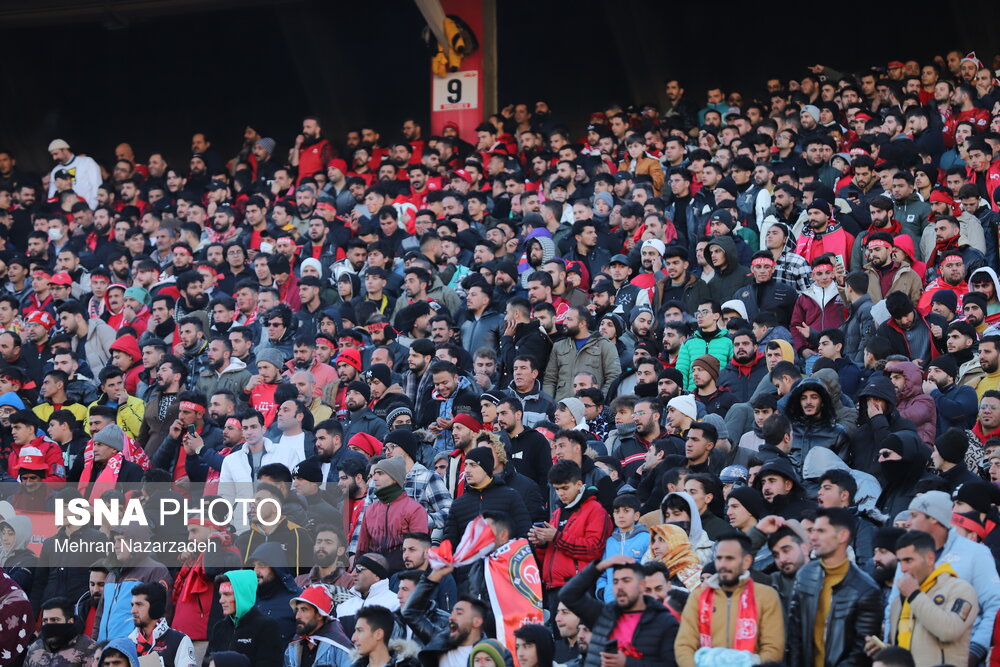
x=639, y=413
x=279, y=323
x=359, y=568
x=702, y=312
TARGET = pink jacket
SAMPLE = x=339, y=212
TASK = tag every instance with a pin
x=818, y=308
x=324, y=374
x=912, y=403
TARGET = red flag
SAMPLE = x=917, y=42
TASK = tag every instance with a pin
x=515, y=586
x=477, y=543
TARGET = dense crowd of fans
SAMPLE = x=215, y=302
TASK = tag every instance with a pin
x=732, y=370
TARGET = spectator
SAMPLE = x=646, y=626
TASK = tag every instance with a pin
x=61, y=641
x=244, y=628
x=371, y=586
x=115, y=607
x=391, y=515
x=372, y=633
x=582, y=350
x=320, y=639
x=152, y=633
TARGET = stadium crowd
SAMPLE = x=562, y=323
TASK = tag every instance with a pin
x=731, y=368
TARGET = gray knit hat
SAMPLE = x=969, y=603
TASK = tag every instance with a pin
x=272, y=356
x=112, y=436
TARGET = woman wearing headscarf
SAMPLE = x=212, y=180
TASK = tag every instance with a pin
x=15, y=558
x=670, y=545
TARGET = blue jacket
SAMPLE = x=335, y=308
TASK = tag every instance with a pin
x=333, y=648
x=634, y=544
x=973, y=563
x=957, y=407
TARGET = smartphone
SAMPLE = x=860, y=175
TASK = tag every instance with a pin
x=839, y=261
x=191, y=429
x=538, y=524
x=611, y=647
x=878, y=642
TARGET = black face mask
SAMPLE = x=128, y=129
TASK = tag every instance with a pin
x=404, y=427
x=58, y=635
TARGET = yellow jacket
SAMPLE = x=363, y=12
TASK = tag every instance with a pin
x=44, y=410
x=725, y=611
x=129, y=414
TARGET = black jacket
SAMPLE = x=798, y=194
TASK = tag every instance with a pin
x=256, y=636
x=872, y=431
x=527, y=339
x=820, y=430
x=529, y=492
x=855, y=613
x=773, y=295
x=741, y=386
x=653, y=638
x=66, y=574
x=496, y=497
x=429, y=629
x=899, y=478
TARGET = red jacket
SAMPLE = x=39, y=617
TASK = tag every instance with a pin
x=580, y=539
x=383, y=527
x=314, y=157
x=992, y=180
x=980, y=119
x=817, y=309
x=52, y=456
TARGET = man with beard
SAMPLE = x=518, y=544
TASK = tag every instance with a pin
x=361, y=419
x=223, y=372
x=521, y=337
x=884, y=559
x=312, y=152
x=192, y=297
x=951, y=239
x=530, y=450
x=61, y=643
x=989, y=360
x=746, y=368
x=224, y=227
x=304, y=359
x=193, y=347
x=631, y=449
x=704, y=615
x=171, y=379
x=640, y=329
x=319, y=637
x=886, y=275
x=785, y=207
x=452, y=644
x=152, y=635
x=328, y=549
x=823, y=234
x=704, y=374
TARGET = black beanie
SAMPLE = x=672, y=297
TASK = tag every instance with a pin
x=946, y=363
x=751, y=499
x=952, y=445
x=885, y=538
x=405, y=440
x=946, y=298
x=380, y=372
x=362, y=388
x=482, y=456
x=976, y=495
x=898, y=305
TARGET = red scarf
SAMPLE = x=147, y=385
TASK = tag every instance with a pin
x=106, y=480
x=983, y=437
x=193, y=579
x=940, y=247
x=744, y=369
x=745, y=638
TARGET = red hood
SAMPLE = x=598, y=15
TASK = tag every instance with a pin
x=129, y=345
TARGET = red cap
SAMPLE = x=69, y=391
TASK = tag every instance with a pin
x=31, y=458
x=318, y=596
x=895, y=64
x=468, y=422
x=44, y=318
x=464, y=175
x=61, y=278
x=450, y=125
x=339, y=164
x=351, y=357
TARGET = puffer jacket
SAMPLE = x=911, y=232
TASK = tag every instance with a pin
x=858, y=329
x=581, y=532
x=874, y=429
x=911, y=401
x=819, y=309
x=855, y=613
x=819, y=431
x=232, y=378
x=496, y=496
x=635, y=543
x=724, y=284
x=536, y=405
x=654, y=636
x=719, y=346
x=820, y=460
x=905, y=280
x=598, y=356
x=384, y=524
x=742, y=384
x=773, y=295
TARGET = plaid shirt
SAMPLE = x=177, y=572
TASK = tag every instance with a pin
x=794, y=270
x=427, y=488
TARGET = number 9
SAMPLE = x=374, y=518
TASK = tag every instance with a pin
x=454, y=91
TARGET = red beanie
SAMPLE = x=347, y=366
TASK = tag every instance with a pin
x=468, y=422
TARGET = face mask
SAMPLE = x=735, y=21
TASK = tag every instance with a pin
x=404, y=427
x=58, y=634
x=55, y=234
x=266, y=248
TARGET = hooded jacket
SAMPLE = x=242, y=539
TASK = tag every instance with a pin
x=821, y=460
x=123, y=645
x=725, y=283
x=719, y=346
x=333, y=648
x=700, y=542
x=634, y=543
x=384, y=524
x=248, y=630
x=875, y=428
x=911, y=401
x=900, y=477
x=130, y=346
x=821, y=430
x=790, y=505
x=847, y=414
x=232, y=378
x=819, y=309
x=773, y=295
x=274, y=597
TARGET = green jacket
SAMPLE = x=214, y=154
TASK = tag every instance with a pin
x=719, y=346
